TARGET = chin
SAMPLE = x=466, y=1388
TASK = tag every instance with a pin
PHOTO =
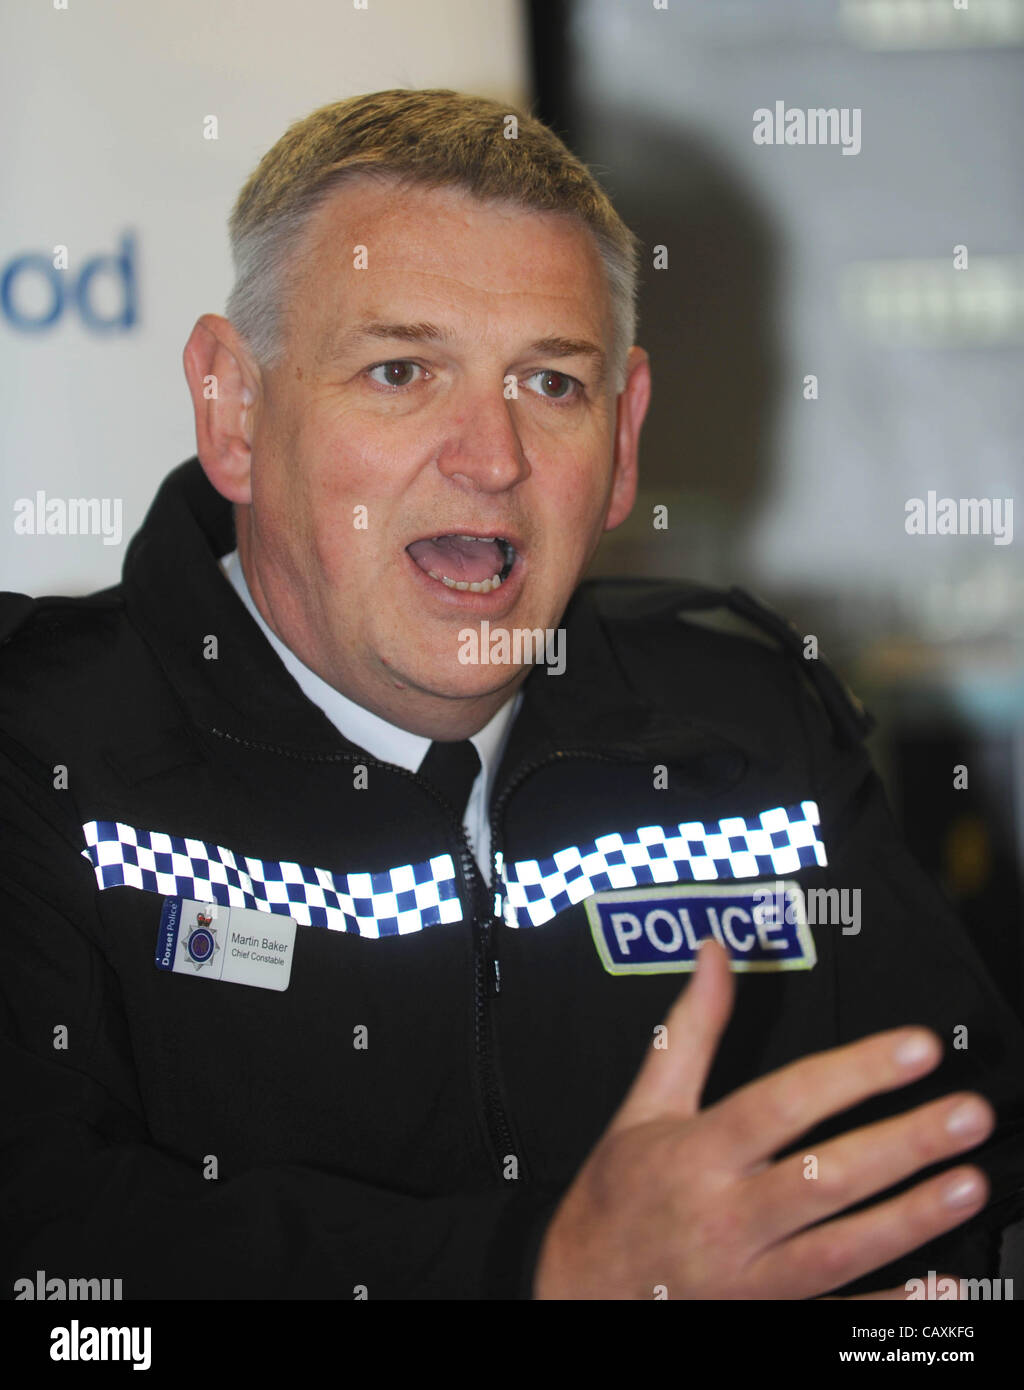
x=461, y=682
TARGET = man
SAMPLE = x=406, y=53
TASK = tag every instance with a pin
x=346, y=960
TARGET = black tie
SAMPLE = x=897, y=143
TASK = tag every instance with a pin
x=452, y=768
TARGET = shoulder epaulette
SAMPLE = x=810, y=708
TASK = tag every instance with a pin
x=14, y=610
x=849, y=717
x=18, y=611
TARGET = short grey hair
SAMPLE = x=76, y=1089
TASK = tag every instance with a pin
x=437, y=138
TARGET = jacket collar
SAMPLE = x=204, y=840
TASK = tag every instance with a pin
x=178, y=598
x=180, y=601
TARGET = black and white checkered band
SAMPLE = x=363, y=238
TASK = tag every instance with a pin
x=773, y=843
x=410, y=897
x=404, y=899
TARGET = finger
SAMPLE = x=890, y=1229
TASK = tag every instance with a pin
x=670, y=1082
x=829, y=1256
x=792, y=1194
x=899, y=1293
x=887, y=1294
x=769, y=1114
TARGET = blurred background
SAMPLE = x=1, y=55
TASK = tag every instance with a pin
x=832, y=335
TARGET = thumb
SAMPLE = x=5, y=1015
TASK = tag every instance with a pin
x=673, y=1076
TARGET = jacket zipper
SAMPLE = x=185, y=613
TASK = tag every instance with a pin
x=486, y=985
x=520, y=776
x=486, y=970
x=489, y=974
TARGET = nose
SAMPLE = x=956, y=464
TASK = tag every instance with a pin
x=482, y=450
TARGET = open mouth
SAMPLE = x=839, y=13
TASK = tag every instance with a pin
x=479, y=564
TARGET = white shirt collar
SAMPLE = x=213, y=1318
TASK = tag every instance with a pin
x=360, y=726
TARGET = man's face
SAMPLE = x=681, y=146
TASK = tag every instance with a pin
x=450, y=380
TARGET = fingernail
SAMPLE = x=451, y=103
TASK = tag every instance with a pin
x=915, y=1050
x=968, y=1118
x=962, y=1192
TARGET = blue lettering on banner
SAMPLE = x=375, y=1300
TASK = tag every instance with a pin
x=61, y=291
x=647, y=931
x=167, y=940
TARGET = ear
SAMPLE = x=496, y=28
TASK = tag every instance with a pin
x=225, y=386
x=631, y=407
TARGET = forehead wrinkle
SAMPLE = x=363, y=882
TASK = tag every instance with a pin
x=377, y=325
x=435, y=261
x=457, y=284
x=548, y=343
x=552, y=345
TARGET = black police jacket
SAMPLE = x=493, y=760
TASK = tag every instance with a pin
x=401, y=1120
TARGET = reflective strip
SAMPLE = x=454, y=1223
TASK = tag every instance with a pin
x=773, y=843
x=393, y=902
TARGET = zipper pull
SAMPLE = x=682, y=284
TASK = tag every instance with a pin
x=497, y=909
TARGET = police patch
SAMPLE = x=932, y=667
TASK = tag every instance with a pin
x=646, y=931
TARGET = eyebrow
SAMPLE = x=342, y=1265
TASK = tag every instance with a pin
x=336, y=347
x=433, y=333
x=568, y=347
x=405, y=332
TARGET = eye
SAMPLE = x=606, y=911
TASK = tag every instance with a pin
x=556, y=386
x=395, y=373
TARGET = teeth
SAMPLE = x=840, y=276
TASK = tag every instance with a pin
x=484, y=586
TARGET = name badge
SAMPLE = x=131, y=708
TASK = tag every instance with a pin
x=645, y=931
x=236, y=944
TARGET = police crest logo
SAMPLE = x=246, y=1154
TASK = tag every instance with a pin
x=201, y=942
x=651, y=931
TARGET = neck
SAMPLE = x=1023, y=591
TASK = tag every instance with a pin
x=442, y=718
x=397, y=700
